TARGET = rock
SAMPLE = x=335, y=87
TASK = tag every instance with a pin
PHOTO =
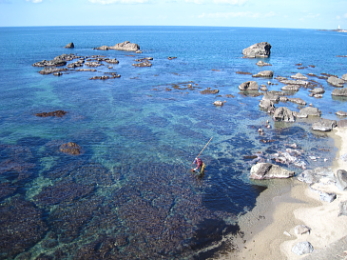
x=343, y=208
x=344, y=77
x=316, y=91
x=299, y=76
x=143, y=64
x=302, y=230
x=70, y=148
x=57, y=113
x=307, y=176
x=50, y=70
x=284, y=114
x=335, y=81
x=309, y=111
x=327, y=197
x=262, y=63
x=209, y=91
x=124, y=46
x=264, y=74
x=112, y=61
x=302, y=248
x=341, y=180
x=341, y=113
x=340, y=92
x=249, y=85
x=262, y=171
x=291, y=88
x=298, y=101
x=219, y=103
x=171, y=58
x=266, y=104
x=70, y=45
x=258, y=50
x=270, y=95
x=294, y=82
x=324, y=125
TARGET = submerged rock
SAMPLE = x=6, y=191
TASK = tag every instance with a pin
x=324, y=125
x=70, y=148
x=258, y=50
x=262, y=171
x=57, y=113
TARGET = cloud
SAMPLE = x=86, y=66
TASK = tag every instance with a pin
x=345, y=15
x=34, y=1
x=227, y=15
x=105, y=2
x=230, y=2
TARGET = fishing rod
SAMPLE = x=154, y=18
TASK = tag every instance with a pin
x=204, y=148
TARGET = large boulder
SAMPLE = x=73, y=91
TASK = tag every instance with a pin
x=123, y=46
x=336, y=82
x=344, y=77
x=263, y=171
x=324, y=125
x=264, y=74
x=249, y=85
x=340, y=92
x=302, y=248
x=284, y=114
x=258, y=50
x=309, y=111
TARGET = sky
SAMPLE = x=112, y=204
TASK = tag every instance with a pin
x=305, y=14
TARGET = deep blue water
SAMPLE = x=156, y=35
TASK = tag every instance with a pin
x=129, y=194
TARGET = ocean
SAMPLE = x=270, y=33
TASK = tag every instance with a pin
x=128, y=192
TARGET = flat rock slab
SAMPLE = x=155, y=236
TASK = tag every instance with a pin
x=339, y=92
x=336, y=82
x=309, y=111
x=324, y=125
x=264, y=74
x=264, y=171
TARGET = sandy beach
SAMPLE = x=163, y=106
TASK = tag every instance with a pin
x=269, y=229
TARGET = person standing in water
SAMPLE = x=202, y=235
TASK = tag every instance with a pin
x=200, y=166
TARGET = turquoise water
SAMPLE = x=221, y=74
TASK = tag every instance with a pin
x=129, y=194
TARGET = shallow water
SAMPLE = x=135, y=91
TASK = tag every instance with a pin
x=129, y=194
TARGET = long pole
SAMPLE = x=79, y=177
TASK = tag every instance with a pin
x=204, y=147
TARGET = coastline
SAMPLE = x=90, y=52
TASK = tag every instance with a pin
x=269, y=228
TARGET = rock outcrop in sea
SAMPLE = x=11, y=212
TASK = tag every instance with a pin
x=123, y=46
x=258, y=50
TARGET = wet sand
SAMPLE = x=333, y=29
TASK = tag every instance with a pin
x=269, y=227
